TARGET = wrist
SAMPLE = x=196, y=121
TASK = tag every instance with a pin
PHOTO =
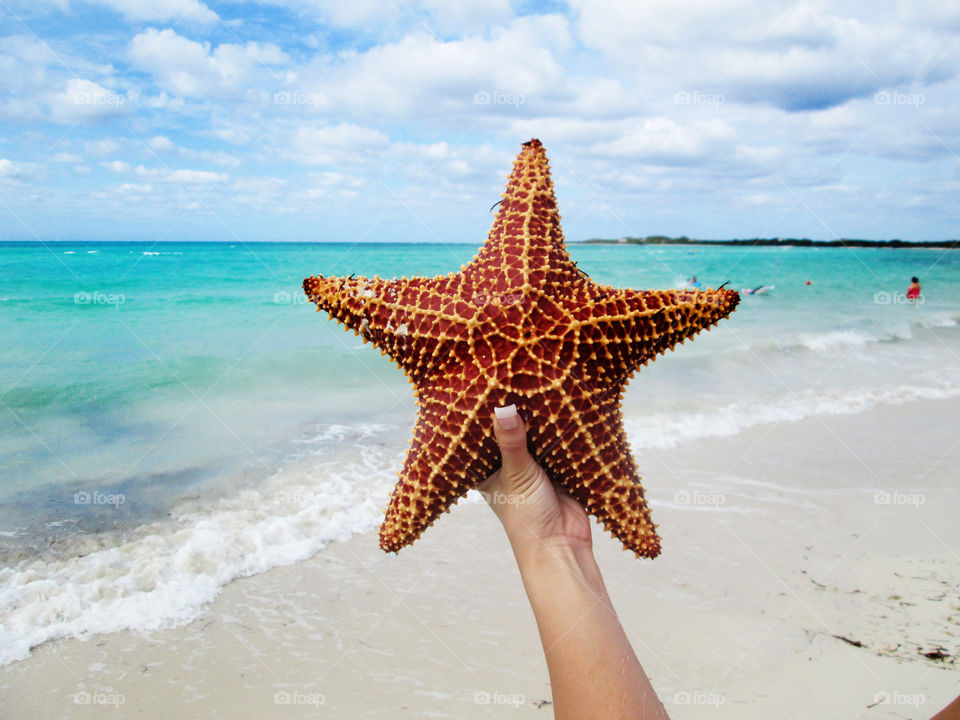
x=557, y=561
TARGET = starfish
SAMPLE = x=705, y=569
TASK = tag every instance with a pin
x=520, y=324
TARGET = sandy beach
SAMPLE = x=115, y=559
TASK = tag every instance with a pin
x=831, y=591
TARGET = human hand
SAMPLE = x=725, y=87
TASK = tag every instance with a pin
x=534, y=513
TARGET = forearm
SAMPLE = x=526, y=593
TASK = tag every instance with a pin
x=593, y=670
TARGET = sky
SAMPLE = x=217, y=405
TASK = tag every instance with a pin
x=398, y=120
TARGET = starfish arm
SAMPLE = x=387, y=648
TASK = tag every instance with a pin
x=591, y=460
x=415, y=322
x=450, y=452
x=625, y=329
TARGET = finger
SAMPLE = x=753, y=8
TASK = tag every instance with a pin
x=511, y=436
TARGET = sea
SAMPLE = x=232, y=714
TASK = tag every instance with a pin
x=176, y=415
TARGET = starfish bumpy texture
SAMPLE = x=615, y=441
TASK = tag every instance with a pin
x=520, y=324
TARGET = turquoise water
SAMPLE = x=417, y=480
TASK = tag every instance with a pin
x=158, y=387
x=169, y=364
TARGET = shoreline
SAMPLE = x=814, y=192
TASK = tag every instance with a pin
x=778, y=242
x=782, y=545
x=651, y=240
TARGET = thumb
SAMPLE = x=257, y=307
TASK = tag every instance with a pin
x=511, y=436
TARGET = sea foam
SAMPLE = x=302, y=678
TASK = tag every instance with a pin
x=166, y=576
x=667, y=430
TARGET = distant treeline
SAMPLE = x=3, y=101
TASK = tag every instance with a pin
x=763, y=242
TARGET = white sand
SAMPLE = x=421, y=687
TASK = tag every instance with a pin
x=775, y=541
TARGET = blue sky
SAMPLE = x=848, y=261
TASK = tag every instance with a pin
x=398, y=120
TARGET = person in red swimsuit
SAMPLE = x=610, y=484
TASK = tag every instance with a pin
x=913, y=292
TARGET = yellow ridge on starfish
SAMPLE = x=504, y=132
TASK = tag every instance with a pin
x=519, y=324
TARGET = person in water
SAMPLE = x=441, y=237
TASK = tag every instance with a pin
x=913, y=292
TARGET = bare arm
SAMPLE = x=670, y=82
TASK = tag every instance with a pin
x=593, y=670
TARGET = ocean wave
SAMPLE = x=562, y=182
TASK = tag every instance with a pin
x=667, y=430
x=842, y=341
x=167, y=575
x=334, y=488
x=837, y=340
x=941, y=320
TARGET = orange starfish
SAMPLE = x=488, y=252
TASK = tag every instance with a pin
x=520, y=324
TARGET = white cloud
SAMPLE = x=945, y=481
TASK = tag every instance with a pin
x=217, y=157
x=195, y=177
x=162, y=10
x=421, y=76
x=84, y=101
x=117, y=166
x=9, y=169
x=186, y=177
x=662, y=140
x=795, y=56
x=467, y=16
x=101, y=147
x=193, y=69
x=159, y=143
x=343, y=144
x=66, y=158
x=45, y=84
x=364, y=13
